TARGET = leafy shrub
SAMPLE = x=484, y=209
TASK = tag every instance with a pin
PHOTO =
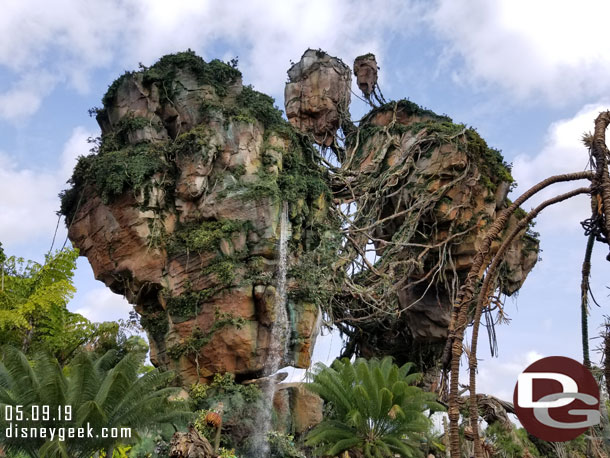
x=241, y=403
x=375, y=408
x=282, y=446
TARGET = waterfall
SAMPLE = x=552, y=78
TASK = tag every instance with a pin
x=279, y=341
x=280, y=334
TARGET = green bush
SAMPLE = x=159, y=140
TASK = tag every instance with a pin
x=241, y=406
x=375, y=409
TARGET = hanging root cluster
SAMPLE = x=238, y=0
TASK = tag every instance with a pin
x=415, y=194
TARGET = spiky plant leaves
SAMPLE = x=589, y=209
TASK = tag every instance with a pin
x=106, y=392
x=375, y=408
x=54, y=449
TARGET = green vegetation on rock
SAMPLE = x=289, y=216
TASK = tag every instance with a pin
x=204, y=236
x=200, y=338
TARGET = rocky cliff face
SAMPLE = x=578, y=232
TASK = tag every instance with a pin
x=179, y=210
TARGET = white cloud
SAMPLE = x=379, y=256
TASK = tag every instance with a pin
x=70, y=38
x=19, y=103
x=30, y=195
x=101, y=304
x=498, y=377
x=563, y=152
x=549, y=48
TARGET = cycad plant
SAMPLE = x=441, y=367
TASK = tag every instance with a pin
x=95, y=393
x=374, y=408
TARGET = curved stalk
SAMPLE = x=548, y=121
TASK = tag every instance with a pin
x=453, y=350
x=584, y=301
x=482, y=300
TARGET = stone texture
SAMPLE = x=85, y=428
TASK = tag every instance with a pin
x=468, y=204
x=297, y=408
x=317, y=95
x=218, y=159
x=405, y=148
x=127, y=240
x=365, y=69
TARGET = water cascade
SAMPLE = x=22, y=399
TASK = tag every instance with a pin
x=280, y=338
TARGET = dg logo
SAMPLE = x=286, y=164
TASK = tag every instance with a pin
x=557, y=399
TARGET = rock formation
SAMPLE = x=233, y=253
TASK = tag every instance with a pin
x=365, y=69
x=179, y=211
x=297, y=408
x=317, y=95
x=190, y=444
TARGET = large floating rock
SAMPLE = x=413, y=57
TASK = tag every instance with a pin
x=317, y=95
x=180, y=212
x=438, y=188
x=365, y=69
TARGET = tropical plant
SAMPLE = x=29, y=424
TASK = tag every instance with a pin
x=30, y=291
x=282, y=445
x=374, y=408
x=98, y=392
x=241, y=406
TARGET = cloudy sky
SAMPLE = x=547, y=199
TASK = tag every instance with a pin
x=529, y=75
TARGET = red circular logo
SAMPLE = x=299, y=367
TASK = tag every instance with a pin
x=557, y=399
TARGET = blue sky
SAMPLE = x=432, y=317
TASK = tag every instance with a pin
x=529, y=75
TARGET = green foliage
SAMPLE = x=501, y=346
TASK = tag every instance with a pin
x=200, y=338
x=118, y=166
x=195, y=142
x=442, y=129
x=103, y=392
x=226, y=453
x=261, y=107
x=127, y=124
x=282, y=446
x=301, y=181
x=33, y=313
x=117, y=171
x=204, y=236
x=155, y=323
x=409, y=109
x=375, y=408
x=62, y=333
x=117, y=336
x=510, y=443
x=112, y=90
x=223, y=385
x=314, y=269
x=215, y=73
x=241, y=407
x=489, y=160
x=264, y=186
x=301, y=178
x=188, y=304
x=35, y=294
